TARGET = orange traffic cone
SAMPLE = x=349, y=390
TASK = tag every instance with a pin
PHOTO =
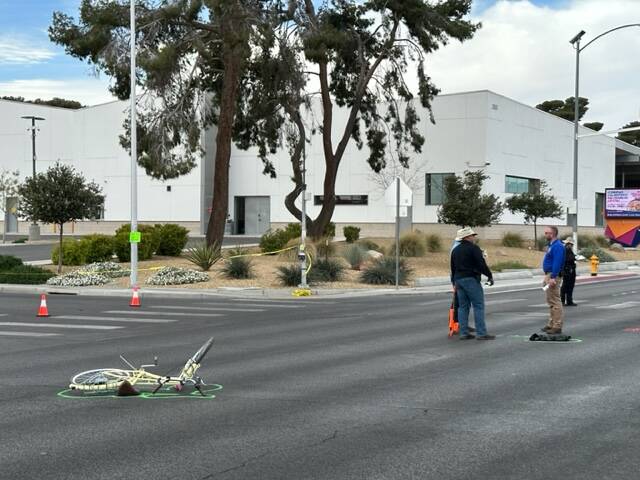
x=43, y=311
x=135, y=300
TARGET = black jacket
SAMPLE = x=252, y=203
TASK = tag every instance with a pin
x=569, y=261
x=467, y=261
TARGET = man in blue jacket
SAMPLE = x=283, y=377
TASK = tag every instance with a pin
x=552, y=265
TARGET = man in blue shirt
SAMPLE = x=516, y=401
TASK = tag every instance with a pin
x=552, y=265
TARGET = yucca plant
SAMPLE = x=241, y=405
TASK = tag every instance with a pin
x=355, y=255
x=383, y=272
x=238, y=268
x=203, y=255
x=289, y=275
x=327, y=271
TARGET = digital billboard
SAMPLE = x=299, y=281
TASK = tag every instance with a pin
x=622, y=203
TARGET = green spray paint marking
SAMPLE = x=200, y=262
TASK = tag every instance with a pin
x=168, y=393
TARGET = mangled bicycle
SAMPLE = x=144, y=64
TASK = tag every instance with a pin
x=124, y=381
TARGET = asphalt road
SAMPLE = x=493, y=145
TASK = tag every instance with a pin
x=360, y=388
x=42, y=251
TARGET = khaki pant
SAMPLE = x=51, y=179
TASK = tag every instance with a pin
x=556, y=314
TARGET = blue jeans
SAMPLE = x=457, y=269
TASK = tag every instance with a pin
x=470, y=292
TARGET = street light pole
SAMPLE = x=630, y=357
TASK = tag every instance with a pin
x=575, y=41
x=34, y=228
x=134, y=154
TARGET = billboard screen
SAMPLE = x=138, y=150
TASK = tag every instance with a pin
x=622, y=203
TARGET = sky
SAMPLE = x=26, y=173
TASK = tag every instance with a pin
x=522, y=52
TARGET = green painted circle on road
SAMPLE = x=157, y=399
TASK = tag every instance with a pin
x=167, y=393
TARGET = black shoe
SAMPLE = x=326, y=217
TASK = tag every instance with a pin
x=571, y=304
x=472, y=330
x=545, y=329
x=486, y=337
x=468, y=336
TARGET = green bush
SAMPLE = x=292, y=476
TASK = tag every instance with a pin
x=369, y=244
x=149, y=243
x=508, y=265
x=330, y=230
x=411, y=245
x=203, y=255
x=74, y=252
x=434, y=243
x=351, y=234
x=293, y=230
x=289, y=275
x=20, y=240
x=383, y=272
x=238, y=268
x=355, y=255
x=7, y=262
x=602, y=255
x=273, y=240
x=514, y=240
x=98, y=248
x=327, y=271
x=172, y=239
x=26, y=275
x=588, y=241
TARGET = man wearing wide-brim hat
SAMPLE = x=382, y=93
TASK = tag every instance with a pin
x=568, y=274
x=467, y=266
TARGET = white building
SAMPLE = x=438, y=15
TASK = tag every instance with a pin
x=515, y=144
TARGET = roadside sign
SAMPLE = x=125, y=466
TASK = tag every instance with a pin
x=406, y=195
x=135, y=237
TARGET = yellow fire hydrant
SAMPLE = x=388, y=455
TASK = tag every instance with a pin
x=594, y=265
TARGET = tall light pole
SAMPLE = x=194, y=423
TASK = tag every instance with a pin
x=575, y=41
x=34, y=228
x=134, y=154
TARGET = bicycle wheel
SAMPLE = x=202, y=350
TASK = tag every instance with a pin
x=100, y=379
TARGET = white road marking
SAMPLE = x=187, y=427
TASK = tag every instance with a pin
x=619, y=306
x=208, y=309
x=28, y=334
x=3, y=314
x=442, y=301
x=115, y=319
x=58, y=325
x=506, y=300
x=249, y=303
x=139, y=312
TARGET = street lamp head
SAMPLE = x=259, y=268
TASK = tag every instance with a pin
x=31, y=117
x=577, y=37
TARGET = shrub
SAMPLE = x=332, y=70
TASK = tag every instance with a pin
x=273, y=240
x=329, y=230
x=203, y=255
x=172, y=239
x=108, y=269
x=355, y=255
x=383, y=272
x=20, y=240
x=602, y=241
x=509, y=265
x=588, y=241
x=149, y=243
x=98, y=248
x=293, y=230
x=351, y=234
x=326, y=271
x=289, y=275
x=325, y=247
x=25, y=275
x=434, y=243
x=292, y=255
x=176, y=276
x=514, y=240
x=74, y=252
x=602, y=255
x=7, y=262
x=411, y=245
x=369, y=244
x=238, y=267
x=79, y=279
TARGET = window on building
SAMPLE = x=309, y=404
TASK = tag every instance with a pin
x=599, y=210
x=344, y=199
x=521, y=185
x=434, y=184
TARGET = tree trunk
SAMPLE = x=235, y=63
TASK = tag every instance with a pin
x=535, y=234
x=329, y=202
x=60, y=251
x=220, y=203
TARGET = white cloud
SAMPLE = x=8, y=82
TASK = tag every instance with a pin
x=20, y=52
x=523, y=52
x=88, y=91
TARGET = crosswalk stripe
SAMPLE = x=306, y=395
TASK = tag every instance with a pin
x=115, y=319
x=506, y=300
x=58, y=325
x=249, y=303
x=207, y=309
x=3, y=314
x=138, y=312
x=28, y=334
x=619, y=306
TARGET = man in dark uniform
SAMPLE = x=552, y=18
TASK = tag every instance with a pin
x=568, y=274
x=467, y=264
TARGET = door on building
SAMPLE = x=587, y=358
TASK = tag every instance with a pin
x=253, y=215
x=11, y=215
